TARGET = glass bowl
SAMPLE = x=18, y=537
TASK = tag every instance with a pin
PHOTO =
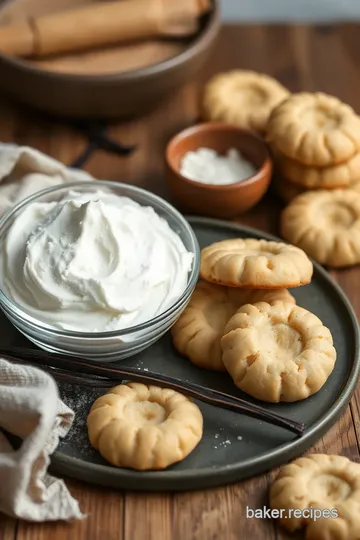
x=103, y=346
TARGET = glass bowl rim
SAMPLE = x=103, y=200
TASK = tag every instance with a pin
x=147, y=325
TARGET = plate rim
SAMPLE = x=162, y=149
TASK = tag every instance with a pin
x=169, y=480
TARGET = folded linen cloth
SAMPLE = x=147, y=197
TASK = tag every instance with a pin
x=30, y=407
x=24, y=170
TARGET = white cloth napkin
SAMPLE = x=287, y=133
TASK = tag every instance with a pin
x=30, y=407
x=24, y=170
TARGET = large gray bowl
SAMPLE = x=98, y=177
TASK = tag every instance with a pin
x=122, y=95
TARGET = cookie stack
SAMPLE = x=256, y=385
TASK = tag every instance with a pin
x=242, y=319
x=316, y=143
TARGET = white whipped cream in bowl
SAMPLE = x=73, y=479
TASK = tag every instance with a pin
x=96, y=269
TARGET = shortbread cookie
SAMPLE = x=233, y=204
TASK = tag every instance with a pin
x=144, y=427
x=255, y=264
x=198, y=331
x=278, y=352
x=287, y=190
x=326, y=225
x=243, y=98
x=315, y=129
x=319, y=481
x=355, y=186
x=332, y=177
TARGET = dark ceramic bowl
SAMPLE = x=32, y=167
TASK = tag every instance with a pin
x=220, y=201
x=115, y=96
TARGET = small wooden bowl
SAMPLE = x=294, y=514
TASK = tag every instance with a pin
x=224, y=201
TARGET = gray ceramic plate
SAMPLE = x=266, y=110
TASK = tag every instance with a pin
x=233, y=446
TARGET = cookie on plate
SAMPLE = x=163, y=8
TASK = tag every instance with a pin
x=335, y=176
x=198, y=331
x=319, y=481
x=326, y=225
x=144, y=427
x=278, y=352
x=243, y=98
x=255, y=264
x=315, y=129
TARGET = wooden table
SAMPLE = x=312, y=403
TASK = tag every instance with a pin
x=303, y=58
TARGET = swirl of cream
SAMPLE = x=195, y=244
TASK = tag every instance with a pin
x=93, y=262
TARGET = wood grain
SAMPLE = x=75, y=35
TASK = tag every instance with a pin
x=156, y=516
x=8, y=528
x=105, y=509
x=303, y=58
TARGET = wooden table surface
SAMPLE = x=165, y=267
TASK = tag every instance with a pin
x=303, y=58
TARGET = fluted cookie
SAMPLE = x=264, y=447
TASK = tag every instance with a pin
x=144, y=427
x=335, y=176
x=243, y=98
x=198, y=331
x=355, y=186
x=325, y=482
x=315, y=129
x=288, y=190
x=278, y=352
x=255, y=264
x=326, y=225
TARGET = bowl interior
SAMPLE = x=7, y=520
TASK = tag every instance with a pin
x=176, y=221
x=219, y=138
x=123, y=61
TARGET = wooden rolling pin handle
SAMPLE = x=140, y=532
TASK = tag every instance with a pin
x=17, y=39
x=104, y=23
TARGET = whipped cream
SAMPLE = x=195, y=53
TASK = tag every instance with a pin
x=93, y=262
x=208, y=167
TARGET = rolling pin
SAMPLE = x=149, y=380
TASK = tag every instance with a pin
x=101, y=24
